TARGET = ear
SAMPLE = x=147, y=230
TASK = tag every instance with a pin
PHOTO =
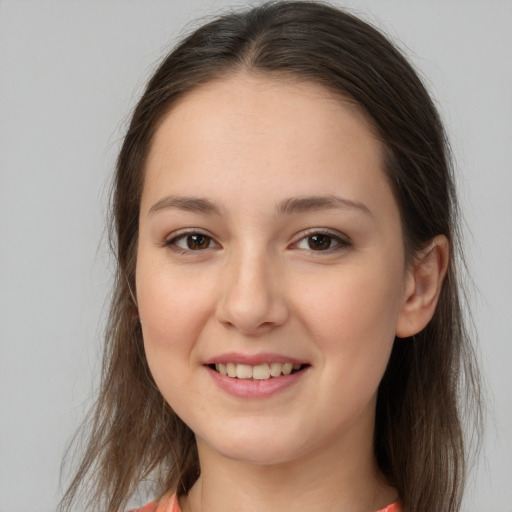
x=423, y=287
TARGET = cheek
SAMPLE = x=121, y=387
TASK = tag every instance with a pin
x=354, y=330
x=173, y=314
x=173, y=311
x=353, y=315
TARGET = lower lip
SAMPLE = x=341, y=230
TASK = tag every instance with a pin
x=251, y=388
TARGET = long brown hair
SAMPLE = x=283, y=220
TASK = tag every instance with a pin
x=431, y=379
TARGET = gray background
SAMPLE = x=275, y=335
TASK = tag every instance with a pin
x=69, y=73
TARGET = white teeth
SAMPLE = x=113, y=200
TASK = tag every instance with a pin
x=259, y=372
x=244, y=371
x=287, y=368
x=275, y=369
x=231, y=369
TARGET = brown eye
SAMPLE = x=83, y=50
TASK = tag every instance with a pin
x=192, y=242
x=319, y=242
x=197, y=242
x=322, y=241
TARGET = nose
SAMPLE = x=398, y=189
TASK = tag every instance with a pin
x=252, y=300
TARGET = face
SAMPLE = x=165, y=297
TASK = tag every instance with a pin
x=270, y=249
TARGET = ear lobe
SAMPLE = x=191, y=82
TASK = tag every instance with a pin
x=423, y=287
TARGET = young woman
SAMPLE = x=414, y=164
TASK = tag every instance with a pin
x=286, y=331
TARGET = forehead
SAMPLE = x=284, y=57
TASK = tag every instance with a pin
x=257, y=132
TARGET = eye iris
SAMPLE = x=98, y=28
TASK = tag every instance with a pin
x=195, y=242
x=319, y=242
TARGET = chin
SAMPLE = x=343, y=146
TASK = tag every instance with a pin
x=260, y=448
x=257, y=455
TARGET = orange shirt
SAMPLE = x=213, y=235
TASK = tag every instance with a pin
x=170, y=504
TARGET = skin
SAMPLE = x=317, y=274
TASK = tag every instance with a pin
x=248, y=144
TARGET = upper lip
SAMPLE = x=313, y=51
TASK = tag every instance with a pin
x=252, y=359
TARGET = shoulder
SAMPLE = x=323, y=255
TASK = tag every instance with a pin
x=394, y=507
x=168, y=503
x=150, y=507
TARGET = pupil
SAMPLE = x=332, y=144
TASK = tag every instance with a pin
x=317, y=242
x=197, y=242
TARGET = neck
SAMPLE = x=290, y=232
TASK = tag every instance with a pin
x=343, y=477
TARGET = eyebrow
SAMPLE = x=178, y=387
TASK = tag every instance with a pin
x=289, y=206
x=191, y=204
x=314, y=203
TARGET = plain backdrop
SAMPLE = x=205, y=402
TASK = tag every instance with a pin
x=70, y=71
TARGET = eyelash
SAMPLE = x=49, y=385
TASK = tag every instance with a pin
x=183, y=235
x=341, y=242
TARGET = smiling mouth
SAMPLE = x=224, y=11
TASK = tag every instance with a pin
x=263, y=371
